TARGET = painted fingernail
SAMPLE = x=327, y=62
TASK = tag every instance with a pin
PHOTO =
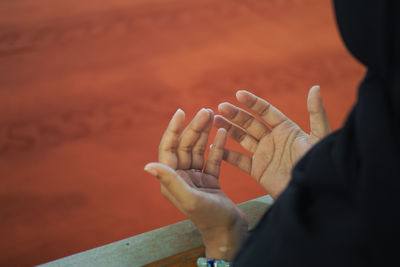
x=150, y=170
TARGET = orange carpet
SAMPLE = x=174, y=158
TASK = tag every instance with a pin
x=87, y=88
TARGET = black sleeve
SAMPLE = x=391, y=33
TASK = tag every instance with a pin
x=341, y=207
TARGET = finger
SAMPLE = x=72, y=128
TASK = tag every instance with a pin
x=189, y=138
x=171, y=181
x=216, y=153
x=237, y=159
x=247, y=141
x=319, y=124
x=201, y=145
x=167, y=150
x=169, y=196
x=245, y=120
x=270, y=114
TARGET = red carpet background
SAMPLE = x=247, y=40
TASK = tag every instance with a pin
x=87, y=88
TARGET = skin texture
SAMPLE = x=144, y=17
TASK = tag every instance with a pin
x=191, y=184
x=275, y=142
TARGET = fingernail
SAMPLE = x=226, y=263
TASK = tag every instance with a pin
x=222, y=130
x=202, y=110
x=150, y=170
x=239, y=91
x=177, y=111
x=220, y=106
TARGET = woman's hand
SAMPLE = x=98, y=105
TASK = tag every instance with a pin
x=193, y=186
x=276, y=143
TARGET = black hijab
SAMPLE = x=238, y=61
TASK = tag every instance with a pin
x=342, y=206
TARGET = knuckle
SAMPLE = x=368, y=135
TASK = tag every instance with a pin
x=263, y=111
x=234, y=114
x=247, y=122
x=240, y=136
x=236, y=158
x=185, y=148
x=213, y=162
x=200, y=150
x=165, y=182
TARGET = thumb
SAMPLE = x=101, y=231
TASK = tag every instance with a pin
x=170, y=180
x=319, y=124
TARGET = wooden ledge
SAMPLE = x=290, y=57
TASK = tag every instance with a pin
x=177, y=244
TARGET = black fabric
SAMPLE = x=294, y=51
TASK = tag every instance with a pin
x=342, y=206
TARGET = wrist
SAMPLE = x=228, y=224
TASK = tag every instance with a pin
x=223, y=243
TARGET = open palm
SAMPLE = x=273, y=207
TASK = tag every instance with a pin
x=192, y=185
x=275, y=142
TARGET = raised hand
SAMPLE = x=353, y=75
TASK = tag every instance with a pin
x=275, y=142
x=192, y=186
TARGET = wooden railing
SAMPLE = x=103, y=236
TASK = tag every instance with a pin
x=177, y=244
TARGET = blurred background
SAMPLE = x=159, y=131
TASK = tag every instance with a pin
x=87, y=88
